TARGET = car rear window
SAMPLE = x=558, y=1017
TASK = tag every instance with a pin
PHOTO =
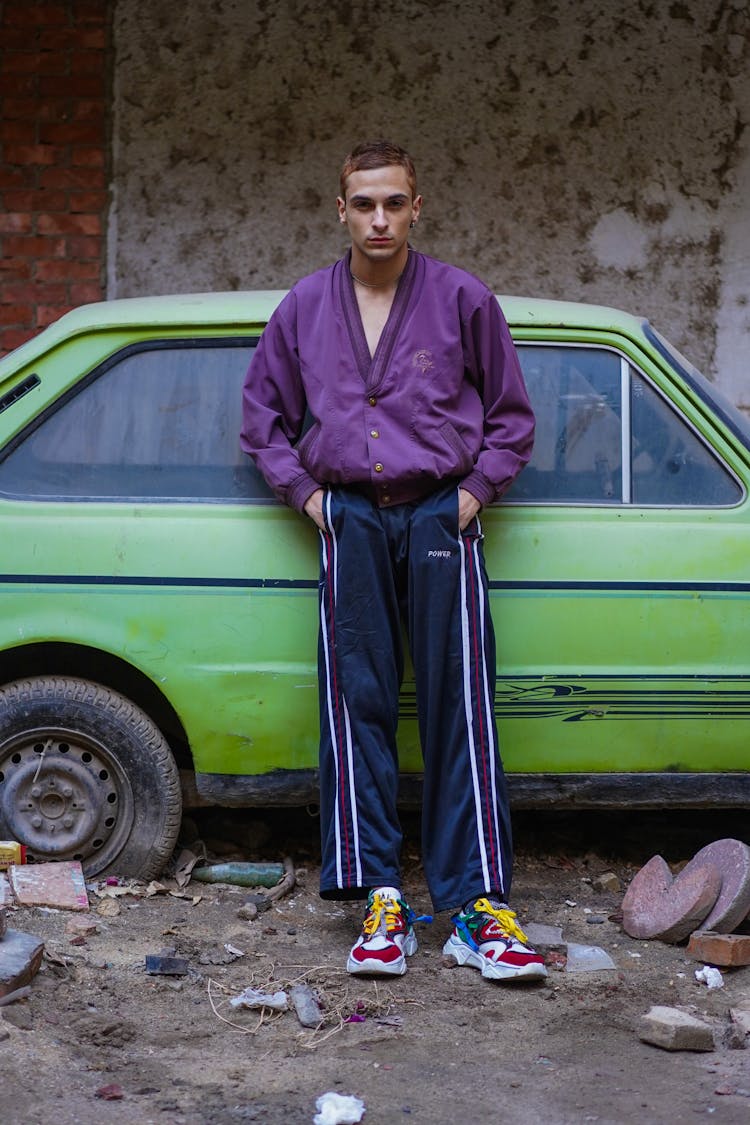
x=158, y=421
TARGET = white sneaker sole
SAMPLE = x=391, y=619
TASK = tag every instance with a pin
x=374, y=967
x=462, y=954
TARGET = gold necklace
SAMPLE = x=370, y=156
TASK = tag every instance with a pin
x=374, y=284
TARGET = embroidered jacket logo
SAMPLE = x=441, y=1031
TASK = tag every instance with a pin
x=423, y=360
x=439, y=554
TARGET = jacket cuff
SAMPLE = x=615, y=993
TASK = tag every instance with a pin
x=300, y=491
x=477, y=484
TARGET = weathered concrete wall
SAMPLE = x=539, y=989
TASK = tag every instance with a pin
x=571, y=148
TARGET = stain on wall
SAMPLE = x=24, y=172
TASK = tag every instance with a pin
x=566, y=149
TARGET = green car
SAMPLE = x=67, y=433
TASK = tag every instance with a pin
x=158, y=607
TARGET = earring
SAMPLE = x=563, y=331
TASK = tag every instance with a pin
x=413, y=223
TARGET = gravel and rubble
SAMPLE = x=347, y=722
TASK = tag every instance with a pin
x=437, y=1045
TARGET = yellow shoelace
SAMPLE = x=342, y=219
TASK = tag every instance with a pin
x=382, y=907
x=504, y=918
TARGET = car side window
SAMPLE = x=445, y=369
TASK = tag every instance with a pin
x=576, y=396
x=605, y=435
x=670, y=464
x=159, y=421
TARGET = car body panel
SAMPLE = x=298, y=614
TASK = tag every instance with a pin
x=623, y=631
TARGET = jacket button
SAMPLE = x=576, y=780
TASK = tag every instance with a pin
x=372, y=400
x=374, y=433
x=378, y=467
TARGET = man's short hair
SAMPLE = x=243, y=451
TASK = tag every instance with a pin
x=378, y=154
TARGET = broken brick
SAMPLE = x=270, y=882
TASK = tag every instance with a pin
x=81, y=927
x=20, y=958
x=674, y=1030
x=732, y=858
x=608, y=881
x=656, y=905
x=111, y=1093
x=719, y=949
x=740, y=1016
x=58, y=884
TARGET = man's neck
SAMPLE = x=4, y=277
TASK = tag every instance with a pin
x=378, y=275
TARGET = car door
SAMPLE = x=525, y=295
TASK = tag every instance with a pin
x=618, y=567
x=136, y=532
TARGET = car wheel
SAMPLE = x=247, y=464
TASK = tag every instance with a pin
x=86, y=775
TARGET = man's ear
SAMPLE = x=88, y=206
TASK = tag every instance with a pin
x=416, y=208
x=341, y=208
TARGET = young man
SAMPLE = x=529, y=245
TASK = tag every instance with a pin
x=418, y=417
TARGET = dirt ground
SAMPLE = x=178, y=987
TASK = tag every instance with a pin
x=438, y=1045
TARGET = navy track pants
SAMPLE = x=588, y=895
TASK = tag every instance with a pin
x=379, y=567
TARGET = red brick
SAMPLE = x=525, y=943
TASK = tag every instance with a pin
x=93, y=12
x=70, y=38
x=12, y=338
x=20, y=316
x=45, y=314
x=16, y=222
x=34, y=15
x=82, y=247
x=18, y=199
x=16, y=39
x=17, y=84
x=71, y=85
x=71, y=132
x=52, y=109
x=69, y=224
x=19, y=62
x=64, y=270
x=15, y=269
x=31, y=154
x=29, y=246
x=85, y=178
x=719, y=949
x=89, y=109
x=20, y=109
x=19, y=132
x=28, y=199
x=89, y=157
x=20, y=292
x=33, y=62
x=84, y=294
x=87, y=62
x=88, y=200
x=15, y=177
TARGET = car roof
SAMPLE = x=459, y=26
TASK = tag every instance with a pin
x=252, y=308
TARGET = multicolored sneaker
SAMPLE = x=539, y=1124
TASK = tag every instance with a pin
x=387, y=937
x=487, y=938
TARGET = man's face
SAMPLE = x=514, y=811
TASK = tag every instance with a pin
x=378, y=211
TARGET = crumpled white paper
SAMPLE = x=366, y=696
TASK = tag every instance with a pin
x=252, y=998
x=710, y=976
x=338, y=1109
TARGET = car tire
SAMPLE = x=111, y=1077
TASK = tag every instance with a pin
x=86, y=775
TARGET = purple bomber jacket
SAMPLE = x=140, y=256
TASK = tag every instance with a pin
x=442, y=399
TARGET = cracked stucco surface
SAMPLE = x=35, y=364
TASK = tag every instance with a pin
x=569, y=149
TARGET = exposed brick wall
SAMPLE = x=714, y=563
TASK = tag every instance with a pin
x=53, y=157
